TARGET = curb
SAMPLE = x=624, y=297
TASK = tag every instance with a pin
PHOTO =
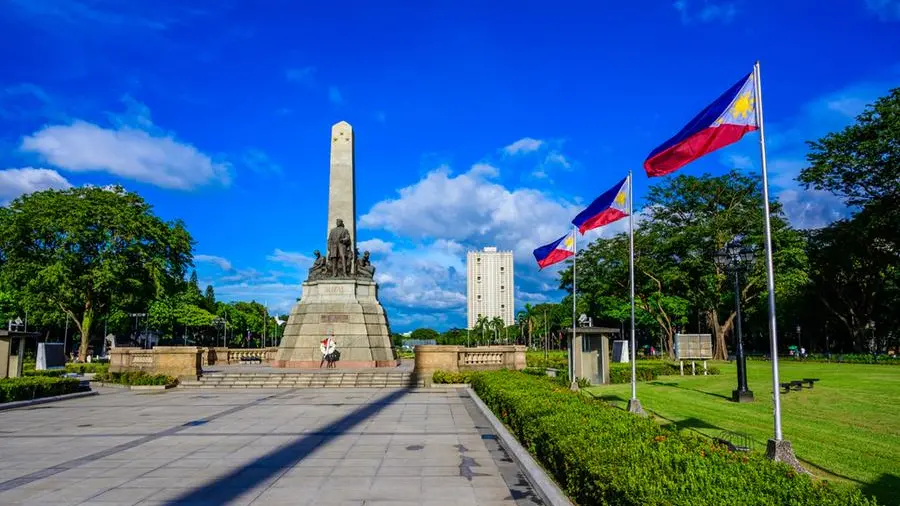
x=545, y=487
x=44, y=400
x=135, y=387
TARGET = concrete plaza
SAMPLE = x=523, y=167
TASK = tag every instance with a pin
x=298, y=446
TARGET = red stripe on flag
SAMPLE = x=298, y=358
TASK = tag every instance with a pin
x=557, y=255
x=695, y=146
x=605, y=218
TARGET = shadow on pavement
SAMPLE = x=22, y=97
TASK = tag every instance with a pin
x=238, y=481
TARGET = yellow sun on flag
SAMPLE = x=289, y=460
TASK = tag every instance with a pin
x=742, y=106
x=620, y=198
x=568, y=242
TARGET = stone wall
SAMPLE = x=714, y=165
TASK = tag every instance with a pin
x=183, y=362
x=431, y=358
x=230, y=356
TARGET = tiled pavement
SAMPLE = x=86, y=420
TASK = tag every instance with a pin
x=298, y=447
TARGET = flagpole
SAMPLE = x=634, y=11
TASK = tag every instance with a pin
x=634, y=405
x=574, y=306
x=777, y=448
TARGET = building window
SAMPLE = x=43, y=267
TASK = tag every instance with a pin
x=478, y=278
x=502, y=306
x=501, y=269
x=502, y=287
x=479, y=297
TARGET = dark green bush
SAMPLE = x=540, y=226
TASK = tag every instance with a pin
x=604, y=455
x=647, y=371
x=848, y=358
x=135, y=378
x=45, y=374
x=23, y=389
x=445, y=377
x=91, y=367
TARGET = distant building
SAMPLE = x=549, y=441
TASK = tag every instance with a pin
x=489, y=285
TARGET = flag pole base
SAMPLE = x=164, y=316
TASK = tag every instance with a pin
x=781, y=451
x=634, y=406
x=574, y=386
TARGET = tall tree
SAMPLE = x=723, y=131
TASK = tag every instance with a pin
x=210, y=297
x=76, y=249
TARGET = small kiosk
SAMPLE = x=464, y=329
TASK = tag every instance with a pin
x=12, y=351
x=589, y=353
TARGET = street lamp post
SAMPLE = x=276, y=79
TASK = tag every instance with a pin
x=735, y=258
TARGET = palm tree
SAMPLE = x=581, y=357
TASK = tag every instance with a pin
x=480, y=326
x=497, y=325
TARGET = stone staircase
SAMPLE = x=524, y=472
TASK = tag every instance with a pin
x=362, y=379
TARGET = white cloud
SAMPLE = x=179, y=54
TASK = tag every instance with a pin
x=886, y=10
x=472, y=209
x=17, y=182
x=223, y=263
x=375, y=246
x=334, y=95
x=558, y=159
x=135, y=149
x=810, y=209
x=298, y=260
x=428, y=276
x=523, y=145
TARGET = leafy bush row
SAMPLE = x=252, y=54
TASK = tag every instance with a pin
x=87, y=368
x=27, y=388
x=446, y=377
x=603, y=455
x=849, y=358
x=648, y=371
x=135, y=378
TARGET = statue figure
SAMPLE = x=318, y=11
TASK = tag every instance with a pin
x=365, y=268
x=339, y=250
x=319, y=267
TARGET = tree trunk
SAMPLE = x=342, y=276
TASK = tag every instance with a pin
x=720, y=351
x=86, y=321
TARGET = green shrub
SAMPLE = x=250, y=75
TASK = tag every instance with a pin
x=647, y=371
x=841, y=358
x=135, y=378
x=604, y=455
x=35, y=387
x=87, y=368
x=445, y=377
x=45, y=374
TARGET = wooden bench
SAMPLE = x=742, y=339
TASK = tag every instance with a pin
x=810, y=381
x=791, y=385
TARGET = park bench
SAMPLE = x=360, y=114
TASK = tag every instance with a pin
x=810, y=381
x=791, y=385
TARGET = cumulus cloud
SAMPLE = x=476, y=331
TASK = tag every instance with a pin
x=523, y=145
x=17, y=182
x=259, y=162
x=811, y=209
x=303, y=75
x=223, y=263
x=298, y=260
x=134, y=149
x=375, y=246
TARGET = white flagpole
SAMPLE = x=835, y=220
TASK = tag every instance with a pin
x=574, y=306
x=773, y=451
x=634, y=405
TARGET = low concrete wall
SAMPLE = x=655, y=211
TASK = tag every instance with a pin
x=430, y=358
x=226, y=356
x=183, y=362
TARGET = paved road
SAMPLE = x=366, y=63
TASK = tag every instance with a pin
x=308, y=446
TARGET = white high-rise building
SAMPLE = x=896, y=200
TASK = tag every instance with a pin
x=490, y=285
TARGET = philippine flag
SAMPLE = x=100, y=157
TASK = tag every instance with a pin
x=722, y=123
x=607, y=208
x=556, y=251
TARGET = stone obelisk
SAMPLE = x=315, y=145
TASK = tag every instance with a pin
x=342, y=185
x=337, y=303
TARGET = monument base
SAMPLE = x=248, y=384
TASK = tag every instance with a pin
x=345, y=309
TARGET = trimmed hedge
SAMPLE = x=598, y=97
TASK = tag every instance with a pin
x=840, y=358
x=135, y=378
x=446, y=377
x=87, y=368
x=44, y=374
x=24, y=389
x=604, y=455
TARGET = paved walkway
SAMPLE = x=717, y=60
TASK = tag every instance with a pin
x=298, y=447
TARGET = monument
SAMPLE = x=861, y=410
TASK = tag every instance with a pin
x=340, y=296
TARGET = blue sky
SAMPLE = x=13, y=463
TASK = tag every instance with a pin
x=477, y=123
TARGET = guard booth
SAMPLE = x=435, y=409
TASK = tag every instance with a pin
x=12, y=351
x=589, y=353
x=693, y=347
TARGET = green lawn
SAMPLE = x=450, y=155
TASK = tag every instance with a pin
x=847, y=427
